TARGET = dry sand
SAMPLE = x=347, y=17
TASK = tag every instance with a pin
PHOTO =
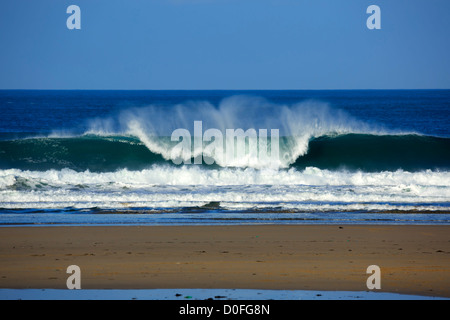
x=413, y=259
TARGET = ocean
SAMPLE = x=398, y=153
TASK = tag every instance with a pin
x=170, y=157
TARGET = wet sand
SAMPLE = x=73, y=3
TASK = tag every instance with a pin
x=413, y=259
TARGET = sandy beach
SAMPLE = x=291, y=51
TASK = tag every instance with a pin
x=413, y=259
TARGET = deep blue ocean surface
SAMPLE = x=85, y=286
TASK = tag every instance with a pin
x=110, y=157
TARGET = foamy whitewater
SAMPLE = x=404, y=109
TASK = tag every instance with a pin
x=119, y=163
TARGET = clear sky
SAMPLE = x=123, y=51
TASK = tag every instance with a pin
x=224, y=44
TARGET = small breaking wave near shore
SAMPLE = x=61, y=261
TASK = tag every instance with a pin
x=248, y=190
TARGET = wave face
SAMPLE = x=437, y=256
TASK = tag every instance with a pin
x=93, y=153
x=377, y=153
x=371, y=153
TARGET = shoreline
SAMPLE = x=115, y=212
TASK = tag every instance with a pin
x=414, y=259
x=187, y=295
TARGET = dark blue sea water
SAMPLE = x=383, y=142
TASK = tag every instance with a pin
x=42, y=112
x=109, y=157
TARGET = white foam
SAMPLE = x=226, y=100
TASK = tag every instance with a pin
x=159, y=187
x=196, y=175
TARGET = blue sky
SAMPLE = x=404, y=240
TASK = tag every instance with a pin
x=224, y=44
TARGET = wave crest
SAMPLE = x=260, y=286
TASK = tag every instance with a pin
x=300, y=122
